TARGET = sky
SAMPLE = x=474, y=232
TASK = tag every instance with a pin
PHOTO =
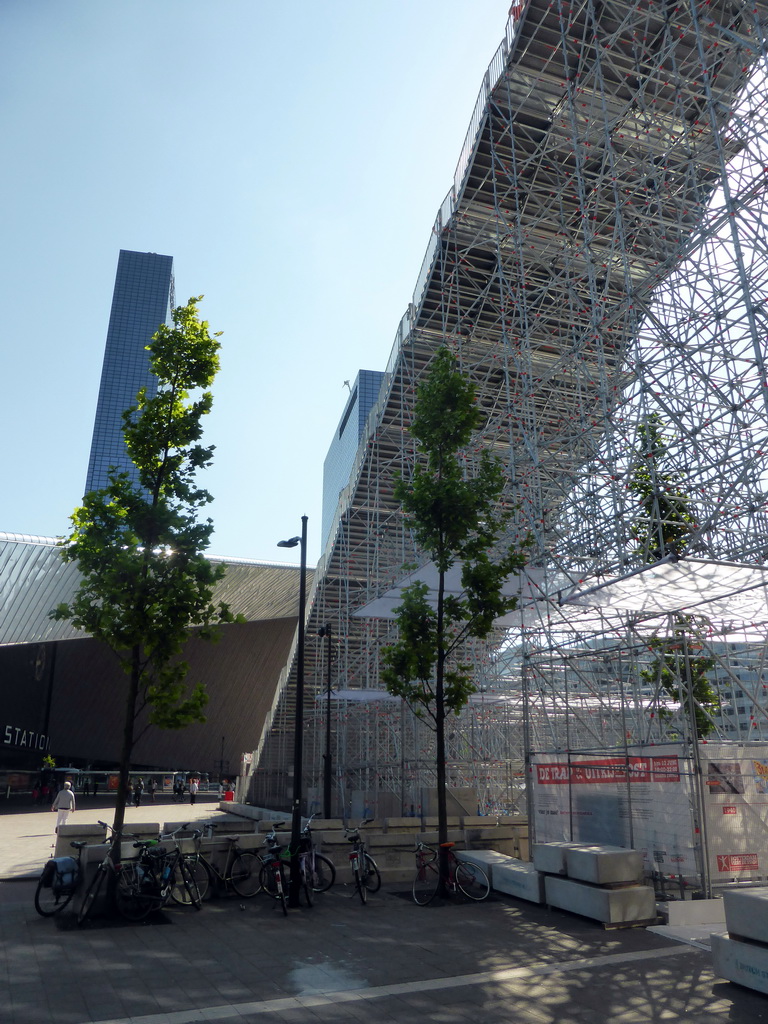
x=291, y=157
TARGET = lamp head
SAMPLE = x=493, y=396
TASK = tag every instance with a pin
x=289, y=543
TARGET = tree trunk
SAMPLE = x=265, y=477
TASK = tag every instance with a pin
x=127, y=750
x=442, y=809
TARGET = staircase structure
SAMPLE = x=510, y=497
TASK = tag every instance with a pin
x=600, y=262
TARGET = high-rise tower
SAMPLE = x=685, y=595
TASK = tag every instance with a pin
x=340, y=459
x=141, y=301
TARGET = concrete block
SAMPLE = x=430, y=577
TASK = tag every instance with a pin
x=490, y=833
x=741, y=962
x=431, y=838
x=402, y=824
x=76, y=833
x=550, y=857
x=695, y=912
x=328, y=824
x=143, y=829
x=431, y=823
x=611, y=906
x=603, y=865
x=517, y=878
x=508, y=875
x=746, y=913
x=241, y=810
x=268, y=825
x=233, y=824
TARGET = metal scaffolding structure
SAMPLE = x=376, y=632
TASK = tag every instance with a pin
x=600, y=260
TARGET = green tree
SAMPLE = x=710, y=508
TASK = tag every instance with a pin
x=455, y=519
x=667, y=520
x=666, y=526
x=139, y=547
x=684, y=675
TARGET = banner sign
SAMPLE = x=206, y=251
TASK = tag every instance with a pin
x=647, y=801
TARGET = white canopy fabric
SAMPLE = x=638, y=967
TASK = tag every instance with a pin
x=527, y=586
x=728, y=594
x=723, y=592
x=377, y=696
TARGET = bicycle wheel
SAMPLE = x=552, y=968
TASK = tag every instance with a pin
x=371, y=876
x=426, y=884
x=272, y=882
x=51, y=899
x=246, y=873
x=362, y=892
x=324, y=874
x=472, y=880
x=91, y=895
x=136, y=894
x=185, y=889
x=306, y=881
x=201, y=873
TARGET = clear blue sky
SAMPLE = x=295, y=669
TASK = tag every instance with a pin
x=290, y=156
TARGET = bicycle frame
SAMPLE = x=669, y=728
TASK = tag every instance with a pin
x=456, y=877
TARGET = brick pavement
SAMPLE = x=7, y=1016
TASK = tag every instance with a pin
x=455, y=963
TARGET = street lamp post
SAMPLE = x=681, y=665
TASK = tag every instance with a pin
x=327, y=758
x=295, y=883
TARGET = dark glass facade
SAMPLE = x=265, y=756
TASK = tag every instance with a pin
x=141, y=301
x=343, y=450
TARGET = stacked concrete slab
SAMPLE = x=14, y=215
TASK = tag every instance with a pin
x=507, y=874
x=742, y=954
x=601, y=882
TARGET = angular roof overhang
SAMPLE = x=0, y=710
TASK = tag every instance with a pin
x=34, y=579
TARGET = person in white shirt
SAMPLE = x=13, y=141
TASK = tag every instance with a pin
x=193, y=787
x=64, y=804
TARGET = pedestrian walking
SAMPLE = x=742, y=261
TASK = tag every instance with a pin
x=151, y=788
x=138, y=789
x=64, y=804
x=193, y=788
x=95, y=786
x=86, y=787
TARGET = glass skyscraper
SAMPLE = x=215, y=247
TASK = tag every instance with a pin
x=341, y=454
x=141, y=301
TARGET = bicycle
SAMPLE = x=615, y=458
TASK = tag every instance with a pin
x=461, y=876
x=242, y=868
x=59, y=881
x=185, y=889
x=273, y=878
x=147, y=884
x=321, y=870
x=107, y=866
x=143, y=885
x=364, y=868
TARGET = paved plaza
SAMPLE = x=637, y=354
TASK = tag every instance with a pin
x=452, y=963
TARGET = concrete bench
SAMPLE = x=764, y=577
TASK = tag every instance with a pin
x=745, y=963
x=550, y=857
x=402, y=825
x=745, y=913
x=603, y=865
x=508, y=875
x=76, y=833
x=431, y=823
x=632, y=904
